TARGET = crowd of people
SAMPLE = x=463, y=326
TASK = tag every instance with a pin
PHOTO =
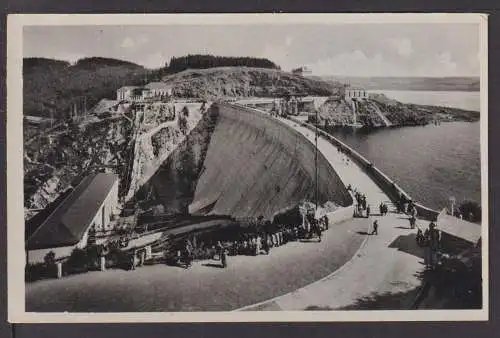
x=250, y=243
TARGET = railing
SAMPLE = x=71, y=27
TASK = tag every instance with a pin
x=383, y=181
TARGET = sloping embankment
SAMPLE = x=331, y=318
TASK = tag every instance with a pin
x=241, y=163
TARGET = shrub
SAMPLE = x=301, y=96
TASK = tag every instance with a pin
x=470, y=211
x=77, y=262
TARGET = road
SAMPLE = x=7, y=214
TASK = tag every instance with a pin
x=384, y=274
x=203, y=287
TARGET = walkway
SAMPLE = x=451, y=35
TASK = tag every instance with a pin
x=385, y=272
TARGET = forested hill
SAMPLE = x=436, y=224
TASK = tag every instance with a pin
x=54, y=86
x=178, y=64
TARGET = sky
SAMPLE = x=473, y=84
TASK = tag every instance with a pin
x=431, y=49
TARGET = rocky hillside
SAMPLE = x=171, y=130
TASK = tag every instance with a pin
x=231, y=82
x=340, y=111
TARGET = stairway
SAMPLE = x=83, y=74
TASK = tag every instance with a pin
x=379, y=113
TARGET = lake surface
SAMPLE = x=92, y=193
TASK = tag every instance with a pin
x=454, y=99
x=431, y=163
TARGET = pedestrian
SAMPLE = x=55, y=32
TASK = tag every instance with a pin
x=258, y=245
x=326, y=222
x=265, y=244
x=381, y=208
x=412, y=222
x=368, y=211
x=375, y=228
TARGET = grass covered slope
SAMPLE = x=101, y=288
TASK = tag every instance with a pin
x=224, y=82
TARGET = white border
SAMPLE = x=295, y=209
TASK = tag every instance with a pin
x=15, y=212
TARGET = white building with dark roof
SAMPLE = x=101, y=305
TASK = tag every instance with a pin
x=87, y=209
x=355, y=93
x=150, y=91
x=125, y=93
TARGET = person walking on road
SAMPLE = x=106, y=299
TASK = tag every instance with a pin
x=375, y=228
x=412, y=222
x=368, y=211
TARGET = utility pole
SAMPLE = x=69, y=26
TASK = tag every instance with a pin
x=316, y=161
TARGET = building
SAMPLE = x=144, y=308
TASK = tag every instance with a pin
x=88, y=209
x=152, y=90
x=458, y=235
x=159, y=89
x=355, y=93
x=301, y=71
x=125, y=93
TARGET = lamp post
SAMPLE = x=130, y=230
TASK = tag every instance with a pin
x=452, y=202
x=316, y=160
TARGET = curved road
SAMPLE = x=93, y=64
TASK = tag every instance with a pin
x=246, y=281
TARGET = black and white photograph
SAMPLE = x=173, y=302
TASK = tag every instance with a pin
x=247, y=167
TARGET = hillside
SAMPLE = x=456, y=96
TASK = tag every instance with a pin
x=54, y=87
x=340, y=111
x=230, y=82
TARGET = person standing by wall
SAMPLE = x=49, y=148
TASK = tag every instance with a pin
x=375, y=228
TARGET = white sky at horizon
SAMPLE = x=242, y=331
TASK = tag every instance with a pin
x=431, y=50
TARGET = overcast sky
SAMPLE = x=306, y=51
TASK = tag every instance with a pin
x=336, y=49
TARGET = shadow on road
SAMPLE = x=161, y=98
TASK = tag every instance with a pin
x=408, y=244
x=213, y=265
x=312, y=240
x=362, y=233
x=400, y=227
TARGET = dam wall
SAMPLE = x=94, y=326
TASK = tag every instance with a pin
x=383, y=181
x=256, y=165
x=240, y=162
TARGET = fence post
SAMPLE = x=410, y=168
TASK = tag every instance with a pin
x=143, y=258
x=103, y=263
x=59, y=269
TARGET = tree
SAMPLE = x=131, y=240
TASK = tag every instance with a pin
x=50, y=258
x=470, y=210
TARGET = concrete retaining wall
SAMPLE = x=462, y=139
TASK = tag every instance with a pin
x=297, y=145
x=383, y=181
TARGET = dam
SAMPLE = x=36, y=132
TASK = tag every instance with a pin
x=333, y=274
x=241, y=163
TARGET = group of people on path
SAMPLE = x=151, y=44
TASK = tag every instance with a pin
x=361, y=204
x=251, y=243
x=430, y=240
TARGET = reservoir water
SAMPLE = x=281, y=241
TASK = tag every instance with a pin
x=431, y=163
x=454, y=99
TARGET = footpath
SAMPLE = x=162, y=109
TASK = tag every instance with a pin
x=386, y=270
